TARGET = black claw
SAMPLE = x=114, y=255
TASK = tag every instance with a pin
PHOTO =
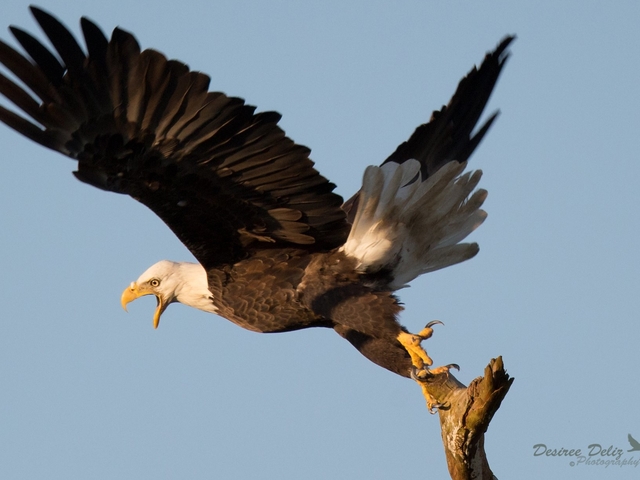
x=432, y=323
x=421, y=375
x=439, y=406
x=417, y=374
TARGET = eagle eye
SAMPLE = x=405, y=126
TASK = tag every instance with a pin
x=154, y=282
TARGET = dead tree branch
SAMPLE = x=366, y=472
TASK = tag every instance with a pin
x=465, y=417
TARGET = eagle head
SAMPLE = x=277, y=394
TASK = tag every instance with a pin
x=171, y=282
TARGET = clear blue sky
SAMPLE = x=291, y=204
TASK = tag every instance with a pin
x=88, y=391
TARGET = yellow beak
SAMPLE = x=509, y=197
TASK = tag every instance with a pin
x=133, y=291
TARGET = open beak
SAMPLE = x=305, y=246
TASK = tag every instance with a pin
x=133, y=291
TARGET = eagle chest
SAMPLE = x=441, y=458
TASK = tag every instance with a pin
x=261, y=293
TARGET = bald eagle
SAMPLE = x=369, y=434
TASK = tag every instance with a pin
x=278, y=250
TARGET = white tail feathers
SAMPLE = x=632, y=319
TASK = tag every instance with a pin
x=411, y=227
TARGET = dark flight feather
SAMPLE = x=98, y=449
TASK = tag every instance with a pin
x=448, y=136
x=153, y=131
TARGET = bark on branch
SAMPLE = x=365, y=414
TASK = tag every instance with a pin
x=465, y=418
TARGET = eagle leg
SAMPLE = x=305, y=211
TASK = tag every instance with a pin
x=412, y=344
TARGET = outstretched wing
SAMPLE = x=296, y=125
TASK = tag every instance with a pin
x=225, y=179
x=449, y=134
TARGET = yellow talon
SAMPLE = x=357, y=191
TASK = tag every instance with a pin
x=411, y=343
x=422, y=361
x=420, y=376
x=432, y=403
